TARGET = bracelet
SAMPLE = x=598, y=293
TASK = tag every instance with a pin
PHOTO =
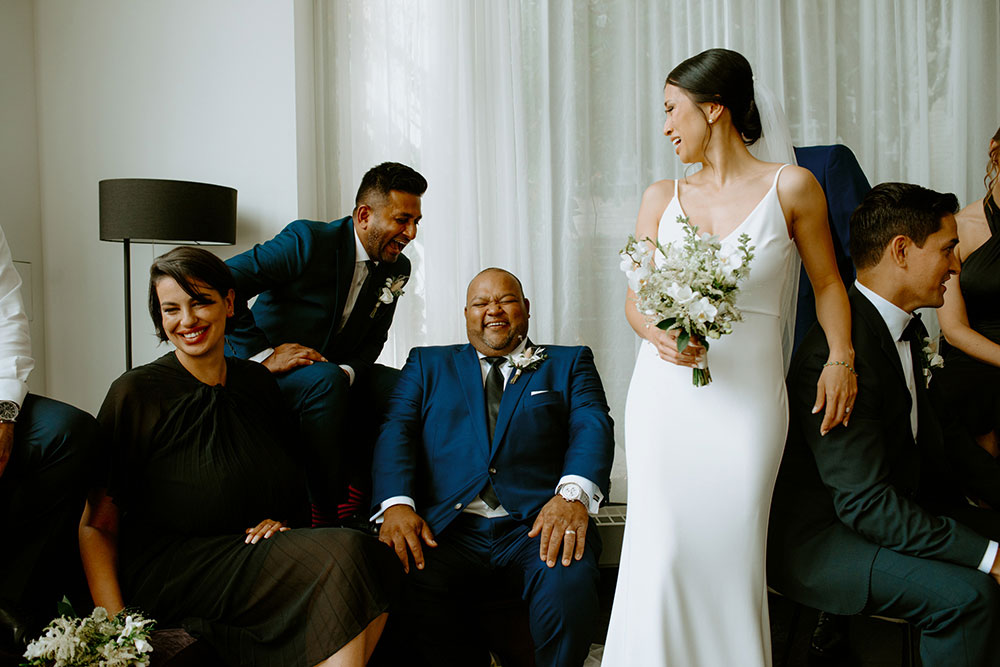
x=841, y=363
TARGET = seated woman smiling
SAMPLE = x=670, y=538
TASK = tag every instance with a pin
x=193, y=525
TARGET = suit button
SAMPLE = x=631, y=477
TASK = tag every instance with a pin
x=493, y=471
x=458, y=506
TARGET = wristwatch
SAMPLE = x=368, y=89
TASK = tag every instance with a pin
x=573, y=492
x=8, y=412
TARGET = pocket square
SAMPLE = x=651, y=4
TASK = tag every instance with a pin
x=540, y=391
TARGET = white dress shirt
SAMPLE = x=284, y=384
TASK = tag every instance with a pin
x=478, y=506
x=357, y=280
x=896, y=319
x=16, y=362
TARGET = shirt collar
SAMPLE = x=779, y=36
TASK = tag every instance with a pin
x=517, y=350
x=360, y=254
x=894, y=317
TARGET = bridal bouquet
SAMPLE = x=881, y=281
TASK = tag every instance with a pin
x=116, y=641
x=690, y=286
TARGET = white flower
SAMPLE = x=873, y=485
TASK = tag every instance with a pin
x=637, y=276
x=386, y=296
x=730, y=263
x=703, y=310
x=681, y=293
x=143, y=646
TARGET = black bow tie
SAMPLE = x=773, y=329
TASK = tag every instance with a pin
x=915, y=331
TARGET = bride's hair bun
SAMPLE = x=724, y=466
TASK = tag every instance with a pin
x=725, y=77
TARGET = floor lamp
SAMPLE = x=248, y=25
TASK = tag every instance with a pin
x=148, y=210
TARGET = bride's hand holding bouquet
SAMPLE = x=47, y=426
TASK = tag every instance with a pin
x=688, y=290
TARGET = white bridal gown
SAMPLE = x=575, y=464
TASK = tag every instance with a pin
x=701, y=467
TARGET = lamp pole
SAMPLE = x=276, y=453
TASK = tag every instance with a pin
x=128, y=305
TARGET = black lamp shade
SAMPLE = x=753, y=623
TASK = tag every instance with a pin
x=148, y=210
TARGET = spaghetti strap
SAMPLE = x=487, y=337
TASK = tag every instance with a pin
x=776, y=174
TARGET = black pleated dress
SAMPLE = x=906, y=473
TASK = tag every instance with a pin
x=972, y=388
x=193, y=466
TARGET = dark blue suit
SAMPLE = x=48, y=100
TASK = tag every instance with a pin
x=433, y=447
x=301, y=279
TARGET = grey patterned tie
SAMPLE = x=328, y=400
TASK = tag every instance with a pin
x=494, y=392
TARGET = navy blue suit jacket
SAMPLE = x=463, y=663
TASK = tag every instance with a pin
x=302, y=277
x=433, y=446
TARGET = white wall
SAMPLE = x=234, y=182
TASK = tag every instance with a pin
x=188, y=90
x=20, y=208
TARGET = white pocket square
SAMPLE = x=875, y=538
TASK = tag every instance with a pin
x=540, y=391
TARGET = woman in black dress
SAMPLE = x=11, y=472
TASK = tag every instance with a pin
x=970, y=316
x=193, y=526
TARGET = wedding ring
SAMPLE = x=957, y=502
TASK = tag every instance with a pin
x=847, y=409
x=570, y=532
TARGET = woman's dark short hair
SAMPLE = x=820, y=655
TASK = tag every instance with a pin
x=186, y=264
x=724, y=77
x=381, y=179
x=896, y=209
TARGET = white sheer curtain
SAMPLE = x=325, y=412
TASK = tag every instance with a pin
x=537, y=125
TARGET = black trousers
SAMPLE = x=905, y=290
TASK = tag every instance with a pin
x=42, y=493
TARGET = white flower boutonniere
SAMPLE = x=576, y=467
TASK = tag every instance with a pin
x=392, y=290
x=529, y=360
x=930, y=358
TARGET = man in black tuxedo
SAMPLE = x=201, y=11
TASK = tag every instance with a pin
x=327, y=295
x=872, y=518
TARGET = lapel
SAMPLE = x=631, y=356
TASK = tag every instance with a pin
x=470, y=376
x=866, y=313
x=345, y=269
x=511, y=398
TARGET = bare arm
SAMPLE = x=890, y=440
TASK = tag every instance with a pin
x=837, y=386
x=99, y=550
x=654, y=202
x=952, y=316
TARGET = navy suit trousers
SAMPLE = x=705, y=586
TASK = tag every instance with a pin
x=442, y=601
x=338, y=425
x=42, y=493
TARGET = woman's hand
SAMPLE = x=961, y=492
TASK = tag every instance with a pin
x=836, y=390
x=665, y=343
x=265, y=529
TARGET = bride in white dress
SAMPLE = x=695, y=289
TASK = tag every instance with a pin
x=702, y=460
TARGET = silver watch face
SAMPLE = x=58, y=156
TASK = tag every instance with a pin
x=571, y=492
x=8, y=411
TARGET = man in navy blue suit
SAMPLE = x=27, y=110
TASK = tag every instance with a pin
x=494, y=455
x=326, y=294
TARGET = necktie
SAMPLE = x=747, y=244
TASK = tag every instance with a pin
x=915, y=333
x=494, y=392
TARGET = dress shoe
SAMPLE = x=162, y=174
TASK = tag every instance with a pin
x=829, y=639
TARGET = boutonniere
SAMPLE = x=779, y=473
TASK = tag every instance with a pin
x=529, y=360
x=393, y=290
x=929, y=358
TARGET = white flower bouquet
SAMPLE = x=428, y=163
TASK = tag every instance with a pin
x=98, y=639
x=690, y=286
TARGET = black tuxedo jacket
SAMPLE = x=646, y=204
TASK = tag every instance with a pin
x=302, y=277
x=841, y=497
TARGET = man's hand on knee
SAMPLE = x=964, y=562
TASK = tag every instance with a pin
x=562, y=526
x=403, y=530
x=291, y=355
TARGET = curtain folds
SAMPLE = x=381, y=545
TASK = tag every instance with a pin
x=538, y=126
